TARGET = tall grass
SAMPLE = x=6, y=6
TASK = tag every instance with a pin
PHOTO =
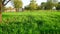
x=31, y=22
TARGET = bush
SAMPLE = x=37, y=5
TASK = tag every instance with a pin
x=58, y=7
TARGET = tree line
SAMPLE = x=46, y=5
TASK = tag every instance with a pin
x=34, y=6
x=44, y=6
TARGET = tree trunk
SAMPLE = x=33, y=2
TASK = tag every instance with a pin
x=0, y=17
x=16, y=10
x=0, y=11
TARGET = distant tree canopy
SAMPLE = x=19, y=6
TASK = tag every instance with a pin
x=18, y=4
x=32, y=6
x=49, y=5
x=58, y=6
x=43, y=5
x=27, y=7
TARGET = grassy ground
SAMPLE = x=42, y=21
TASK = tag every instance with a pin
x=31, y=22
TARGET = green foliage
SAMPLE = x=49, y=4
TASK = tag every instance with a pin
x=18, y=4
x=49, y=5
x=58, y=6
x=39, y=8
x=30, y=22
x=32, y=6
x=27, y=8
x=43, y=5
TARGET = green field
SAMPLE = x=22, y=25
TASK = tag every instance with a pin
x=31, y=22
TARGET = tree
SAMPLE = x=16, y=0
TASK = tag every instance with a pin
x=49, y=5
x=43, y=5
x=2, y=4
x=0, y=10
x=58, y=2
x=58, y=6
x=27, y=7
x=53, y=1
x=33, y=5
x=18, y=4
x=39, y=7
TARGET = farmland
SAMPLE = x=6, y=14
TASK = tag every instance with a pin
x=30, y=22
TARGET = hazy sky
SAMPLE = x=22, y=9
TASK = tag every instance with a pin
x=26, y=2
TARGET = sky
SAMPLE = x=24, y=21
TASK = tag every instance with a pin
x=26, y=2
